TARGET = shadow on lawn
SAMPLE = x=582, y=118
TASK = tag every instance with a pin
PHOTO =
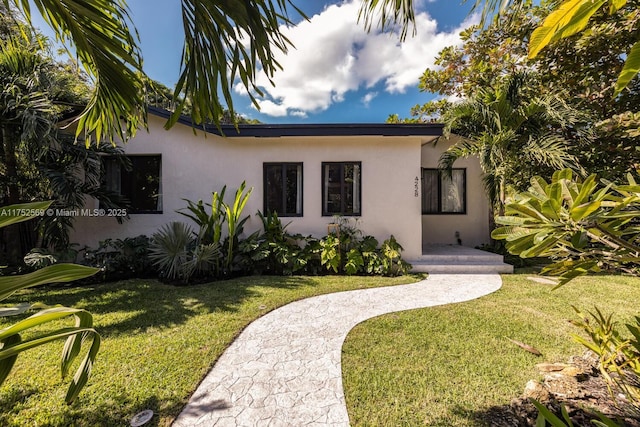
x=497, y=416
x=156, y=305
x=114, y=413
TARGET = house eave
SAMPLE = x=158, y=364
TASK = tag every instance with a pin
x=311, y=129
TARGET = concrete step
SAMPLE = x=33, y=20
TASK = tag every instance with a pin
x=461, y=268
x=480, y=257
x=452, y=259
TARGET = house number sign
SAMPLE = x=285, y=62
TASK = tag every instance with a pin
x=416, y=187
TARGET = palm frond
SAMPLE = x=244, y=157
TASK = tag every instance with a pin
x=460, y=150
x=388, y=13
x=106, y=43
x=551, y=150
x=225, y=41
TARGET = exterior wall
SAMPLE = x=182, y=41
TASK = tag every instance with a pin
x=194, y=165
x=472, y=226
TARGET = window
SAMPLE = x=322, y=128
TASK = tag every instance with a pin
x=283, y=188
x=443, y=194
x=142, y=185
x=341, y=188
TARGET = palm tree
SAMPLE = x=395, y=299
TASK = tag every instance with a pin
x=506, y=128
x=225, y=41
x=27, y=114
x=37, y=162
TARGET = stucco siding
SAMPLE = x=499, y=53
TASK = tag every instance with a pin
x=473, y=226
x=194, y=165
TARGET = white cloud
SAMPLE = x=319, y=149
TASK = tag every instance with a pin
x=368, y=97
x=334, y=55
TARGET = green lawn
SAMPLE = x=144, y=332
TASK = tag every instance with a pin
x=158, y=343
x=437, y=366
x=447, y=366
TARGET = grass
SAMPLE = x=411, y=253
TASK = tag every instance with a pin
x=450, y=365
x=158, y=343
x=441, y=366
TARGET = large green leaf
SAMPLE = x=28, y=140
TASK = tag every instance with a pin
x=615, y=5
x=551, y=208
x=525, y=210
x=567, y=19
x=510, y=220
x=7, y=364
x=584, y=210
x=40, y=318
x=84, y=370
x=586, y=190
x=13, y=214
x=511, y=233
x=58, y=273
x=9, y=353
x=75, y=336
x=540, y=248
x=630, y=69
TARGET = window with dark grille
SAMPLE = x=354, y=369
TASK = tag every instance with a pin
x=443, y=193
x=341, y=188
x=141, y=185
x=283, y=188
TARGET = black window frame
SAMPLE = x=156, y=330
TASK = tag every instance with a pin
x=129, y=176
x=441, y=174
x=285, y=166
x=342, y=187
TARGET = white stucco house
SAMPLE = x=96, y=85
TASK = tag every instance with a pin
x=383, y=174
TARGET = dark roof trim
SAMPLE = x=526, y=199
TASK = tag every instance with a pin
x=322, y=129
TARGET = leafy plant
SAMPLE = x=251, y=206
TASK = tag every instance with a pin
x=121, y=258
x=619, y=363
x=393, y=264
x=545, y=415
x=234, y=223
x=354, y=262
x=180, y=255
x=346, y=251
x=330, y=252
x=371, y=256
x=579, y=225
x=275, y=251
x=619, y=357
x=210, y=223
x=12, y=341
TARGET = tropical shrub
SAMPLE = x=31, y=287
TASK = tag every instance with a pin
x=179, y=254
x=121, y=258
x=619, y=357
x=581, y=225
x=274, y=251
x=210, y=225
x=26, y=334
x=347, y=251
x=392, y=262
x=235, y=223
x=330, y=253
x=618, y=361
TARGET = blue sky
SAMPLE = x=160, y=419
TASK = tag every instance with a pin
x=337, y=73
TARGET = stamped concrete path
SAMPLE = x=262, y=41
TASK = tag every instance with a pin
x=284, y=368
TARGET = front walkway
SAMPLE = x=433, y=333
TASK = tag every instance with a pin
x=284, y=368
